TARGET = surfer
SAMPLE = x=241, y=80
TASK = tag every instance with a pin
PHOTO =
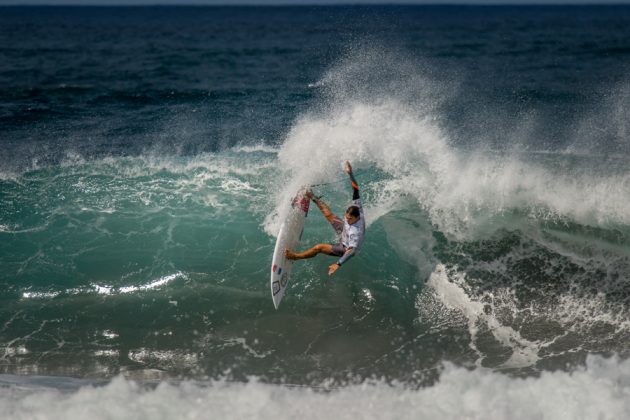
x=351, y=229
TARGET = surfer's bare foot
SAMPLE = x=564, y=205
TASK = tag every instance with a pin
x=289, y=254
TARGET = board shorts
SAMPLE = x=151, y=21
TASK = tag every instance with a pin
x=338, y=249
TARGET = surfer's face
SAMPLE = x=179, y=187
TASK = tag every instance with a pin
x=351, y=219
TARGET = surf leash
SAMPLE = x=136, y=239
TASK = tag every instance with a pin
x=329, y=183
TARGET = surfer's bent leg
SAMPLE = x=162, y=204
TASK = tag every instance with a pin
x=319, y=248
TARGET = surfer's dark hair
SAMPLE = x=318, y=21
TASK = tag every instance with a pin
x=354, y=211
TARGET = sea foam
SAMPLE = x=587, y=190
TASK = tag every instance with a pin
x=599, y=390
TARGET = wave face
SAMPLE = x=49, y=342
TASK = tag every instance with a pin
x=137, y=222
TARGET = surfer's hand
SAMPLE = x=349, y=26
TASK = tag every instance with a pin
x=332, y=268
x=310, y=194
x=348, y=167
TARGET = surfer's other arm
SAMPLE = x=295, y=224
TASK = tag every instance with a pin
x=345, y=257
x=323, y=207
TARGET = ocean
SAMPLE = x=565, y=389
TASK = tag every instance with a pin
x=149, y=154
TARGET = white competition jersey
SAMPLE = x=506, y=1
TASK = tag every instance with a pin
x=352, y=235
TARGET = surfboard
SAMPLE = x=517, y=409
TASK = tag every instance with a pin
x=288, y=237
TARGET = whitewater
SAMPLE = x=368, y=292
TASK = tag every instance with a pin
x=600, y=390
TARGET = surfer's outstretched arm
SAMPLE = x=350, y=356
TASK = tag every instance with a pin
x=355, y=186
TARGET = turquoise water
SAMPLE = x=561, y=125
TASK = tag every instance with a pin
x=148, y=156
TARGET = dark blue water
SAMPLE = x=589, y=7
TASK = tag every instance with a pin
x=241, y=75
x=148, y=154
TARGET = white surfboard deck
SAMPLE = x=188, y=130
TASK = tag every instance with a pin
x=288, y=237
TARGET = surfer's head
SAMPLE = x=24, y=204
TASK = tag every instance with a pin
x=353, y=214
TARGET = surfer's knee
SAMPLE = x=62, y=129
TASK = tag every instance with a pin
x=319, y=247
x=324, y=248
